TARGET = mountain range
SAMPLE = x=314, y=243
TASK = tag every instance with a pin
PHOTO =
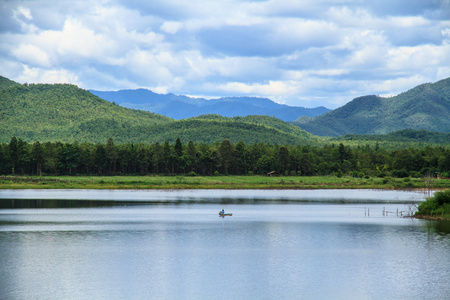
x=425, y=107
x=66, y=113
x=182, y=107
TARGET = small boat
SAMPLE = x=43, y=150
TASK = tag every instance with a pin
x=221, y=214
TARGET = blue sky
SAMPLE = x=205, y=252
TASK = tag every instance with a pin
x=302, y=53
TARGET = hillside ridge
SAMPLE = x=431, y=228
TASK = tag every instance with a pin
x=424, y=107
x=66, y=113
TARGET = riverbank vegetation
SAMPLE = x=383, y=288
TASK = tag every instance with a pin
x=215, y=182
x=436, y=207
x=221, y=158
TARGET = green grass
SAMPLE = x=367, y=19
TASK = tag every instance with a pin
x=212, y=182
x=436, y=207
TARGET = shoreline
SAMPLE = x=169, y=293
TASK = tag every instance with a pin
x=431, y=218
x=49, y=191
x=256, y=182
x=337, y=196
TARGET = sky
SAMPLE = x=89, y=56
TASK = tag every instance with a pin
x=302, y=53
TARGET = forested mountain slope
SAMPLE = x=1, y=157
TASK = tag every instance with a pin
x=402, y=139
x=66, y=113
x=249, y=129
x=63, y=112
x=5, y=82
x=183, y=107
x=209, y=130
x=425, y=107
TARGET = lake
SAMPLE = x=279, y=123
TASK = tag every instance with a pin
x=315, y=244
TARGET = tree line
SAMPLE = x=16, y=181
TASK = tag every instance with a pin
x=56, y=158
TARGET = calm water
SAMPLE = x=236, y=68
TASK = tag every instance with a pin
x=173, y=245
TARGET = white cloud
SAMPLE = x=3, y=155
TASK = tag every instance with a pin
x=305, y=32
x=298, y=52
x=420, y=58
x=22, y=15
x=37, y=75
x=151, y=66
x=171, y=27
x=23, y=12
x=78, y=41
x=32, y=55
x=271, y=89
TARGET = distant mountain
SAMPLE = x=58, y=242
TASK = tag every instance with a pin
x=66, y=113
x=183, y=107
x=425, y=107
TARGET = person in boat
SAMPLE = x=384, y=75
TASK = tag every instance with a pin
x=223, y=211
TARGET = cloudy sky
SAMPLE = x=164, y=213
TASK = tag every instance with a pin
x=303, y=53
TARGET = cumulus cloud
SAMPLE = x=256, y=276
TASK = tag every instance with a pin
x=305, y=53
x=38, y=75
x=171, y=26
x=31, y=55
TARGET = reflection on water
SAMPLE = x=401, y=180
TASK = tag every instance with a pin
x=61, y=203
x=200, y=196
x=72, y=249
x=438, y=227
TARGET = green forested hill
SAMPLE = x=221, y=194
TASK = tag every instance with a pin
x=249, y=129
x=5, y=82
x=63, y=112
x=66, y=113
x=265, y=121
x=425, y=107
x=405, y=138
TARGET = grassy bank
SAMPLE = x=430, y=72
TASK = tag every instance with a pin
x=436, y=207
x=213, y=182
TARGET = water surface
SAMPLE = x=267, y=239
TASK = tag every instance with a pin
x=275, y=246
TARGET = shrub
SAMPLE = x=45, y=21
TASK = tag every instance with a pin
x=400, y=173
x=444, y=174
x=428, y=206
x=192, y=174
x=442, y=197
x=415, y=174
x=381, y=175
x=357, y=174
x=439, y=202
x=409, y=185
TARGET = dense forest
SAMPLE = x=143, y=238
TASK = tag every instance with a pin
x=56, y=158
